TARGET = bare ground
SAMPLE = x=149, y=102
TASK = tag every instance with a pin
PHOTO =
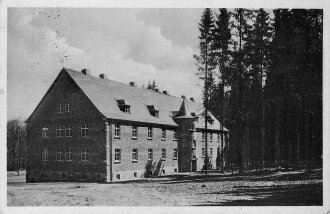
x=292, y=188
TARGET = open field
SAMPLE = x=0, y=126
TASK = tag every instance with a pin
x=275, y=189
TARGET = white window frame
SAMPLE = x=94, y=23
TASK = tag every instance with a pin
x=134, y=132
x=68, y=131
x=44, y=154
x=59, y=131
x=117, y=155
x=150, y=154
x=127, y=109
x=211, y=137
x=174, y=135
x=117, y=131
x=135, y=155
x=84, y=155
x=163, y=134
x=59, y=155
x=68, y=155
x=150, y=133
x=84, y=130
x=203, y=136
x=175, y=153
x=60, y=108
x=67, y=107
x=44, y=131
x=163, y=154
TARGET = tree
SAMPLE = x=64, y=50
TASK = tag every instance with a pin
x=16, y=138
x=206, y=63
x=152, y=85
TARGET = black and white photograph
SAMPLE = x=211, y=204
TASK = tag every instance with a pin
x=181, y=108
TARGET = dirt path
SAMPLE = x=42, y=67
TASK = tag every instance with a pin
x=292, y=188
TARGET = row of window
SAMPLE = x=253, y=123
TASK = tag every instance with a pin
x=63, y=107
x=210, y=153
x=135, y=154
x=135, y=132
x=66, y=155
x=66, y=131
x=210, y=136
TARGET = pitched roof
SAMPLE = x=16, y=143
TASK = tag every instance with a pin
x=105, y=93
x=184, y=112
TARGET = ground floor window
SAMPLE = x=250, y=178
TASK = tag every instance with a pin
x=163, y=154
x=203, y=152
x=68, y=155
x=135, y=155
x=149, y=154
x=44, y=155
x=175, y=153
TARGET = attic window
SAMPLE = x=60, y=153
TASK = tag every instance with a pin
x=153, y=111
x=210, y=120
x=124, y=106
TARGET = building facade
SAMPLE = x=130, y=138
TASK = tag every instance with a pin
x=94, y=129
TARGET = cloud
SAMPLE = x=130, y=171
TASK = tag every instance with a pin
x=111, y=41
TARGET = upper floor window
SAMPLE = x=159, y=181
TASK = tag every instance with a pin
x=134, y=131
x=211, y=137
x=60, y=108
x=117, y=155
x=194, y=144
x=174, y=135
x=150, y=155
x=84, y=155
x=117, y=131
x=44, y=155
x=163, y=154
x=163, y=134
x=68, y=155
x=134, y=155
x=203, y=136
x=211, y=152
x=44, y=131
x=149, y=133
x=153, y=110
x=59, y=131
x=59, y=155
x=210, y=119
x=218, y=137
x=203, y=152
x=175, y=153
x=124, y=106
x=68, y=131
x=84, y=130
x=67, y=107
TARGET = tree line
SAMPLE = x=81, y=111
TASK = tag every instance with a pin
x=262, y=74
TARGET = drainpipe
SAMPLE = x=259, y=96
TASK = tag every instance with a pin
x=108, y=150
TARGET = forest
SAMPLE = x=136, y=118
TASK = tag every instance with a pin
x=262, y=78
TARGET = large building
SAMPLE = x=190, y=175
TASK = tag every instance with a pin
x=90, y=128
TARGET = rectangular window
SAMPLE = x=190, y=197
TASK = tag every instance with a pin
x=84, y=155
x=117, y=131
x=163, y=154
x=84, y=130
x=127, y=109
x=134, y=155
x=134, y=132
x=218, y=137
x=59, y=131
x=44, y=131
x=59, y=155
x=68, y=155
x=174, y=135
x=44, y=155
x=68, y=131
x=211, y=137
x=203, y=152
x=211, y=152
x=194, y=144
x=67, y=107
x=149, y=133
x=163, y=134
x=60, y=108
x=203, y=136
x=117, y=155
x=175, y=153
x=150, y=154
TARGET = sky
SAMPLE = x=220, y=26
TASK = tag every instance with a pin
x=139, y=45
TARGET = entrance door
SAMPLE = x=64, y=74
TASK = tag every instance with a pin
x=193, y=166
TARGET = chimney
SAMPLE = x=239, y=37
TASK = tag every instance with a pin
x=85, y=71
x=183, y=97
x=103, y=76
x=165, y=92
x=192, y=99
x=156, y=89
x=132, y=84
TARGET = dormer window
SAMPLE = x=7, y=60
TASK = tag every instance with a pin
x=210, y=120
x=153, y=111
x=124, y=106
